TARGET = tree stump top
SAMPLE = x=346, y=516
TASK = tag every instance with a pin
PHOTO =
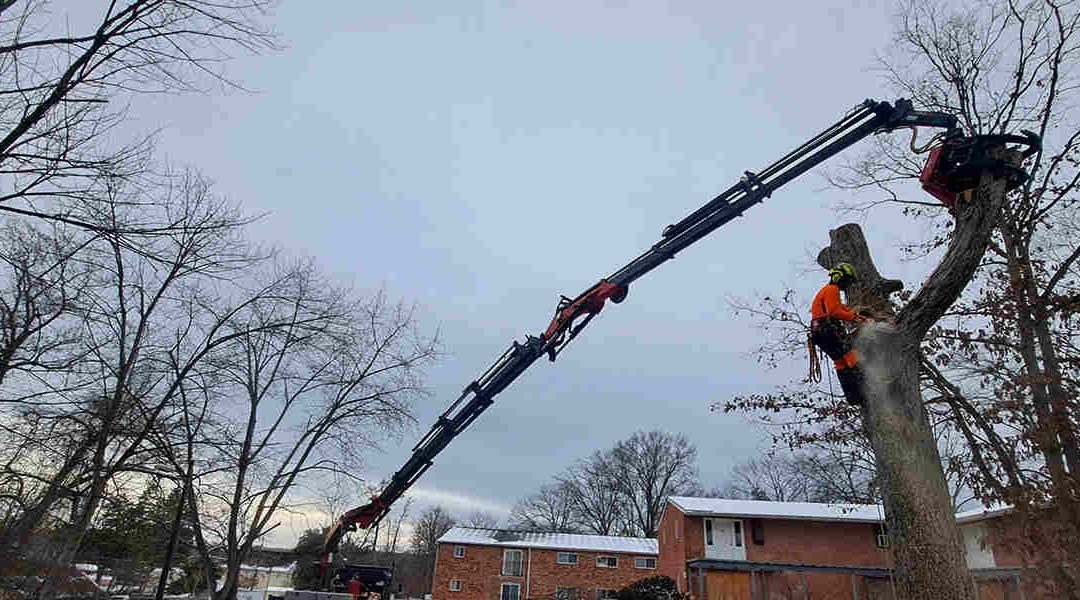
x=870, y=292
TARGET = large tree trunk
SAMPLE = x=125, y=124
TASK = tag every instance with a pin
x=926, y=542
x=174, y=535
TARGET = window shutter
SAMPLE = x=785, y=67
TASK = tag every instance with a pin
x=757, y=532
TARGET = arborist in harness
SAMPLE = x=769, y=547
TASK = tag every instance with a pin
x=829, y=332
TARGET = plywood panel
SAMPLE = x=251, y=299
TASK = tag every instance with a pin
x=727, y=585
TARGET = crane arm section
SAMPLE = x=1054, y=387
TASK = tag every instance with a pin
x=573, y=314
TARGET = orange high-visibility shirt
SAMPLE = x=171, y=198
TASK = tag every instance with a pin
x=827, y=303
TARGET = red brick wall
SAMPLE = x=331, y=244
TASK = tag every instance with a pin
x=585, y=576
x=1011, y=539
x=791, y=541
x=817, y=543
x=694, y=530
x=480, y=573
x=680, y=539
x=672, y=561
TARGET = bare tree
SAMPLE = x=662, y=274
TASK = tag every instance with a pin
x=621, y=491
x=1006, y=66
x=649, y=467
x=61, y=88
x=551, y=508
x=108, y=402
x=998, y=371
x=393, y=529
x=597, y=503
x=43, y=286
x=1002, y=365
x=319, y=376
x=481, y=520
x=432, y=524
x=140, y=338
x=807, y=476
x=770, y=477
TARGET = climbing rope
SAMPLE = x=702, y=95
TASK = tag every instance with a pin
x=814, y=374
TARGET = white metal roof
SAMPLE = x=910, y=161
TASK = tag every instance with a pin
x=725, y=507
x=289, y=568
x=969, y=516
x=554, y=541
x=859, y=513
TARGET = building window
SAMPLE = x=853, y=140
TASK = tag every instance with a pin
x=510, y=591
x=511, y=564
x=566, y=558
x=608, y=562
x=676, y=529
x=602, y=594
x=566, y=593
x=881, y=536
x=455, y=585
x=459, y=551
x=757, y=531
x=708, y=532
x=644, y=562
x=737, y=528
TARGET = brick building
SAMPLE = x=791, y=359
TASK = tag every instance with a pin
x=743, y=549
x=717, y=549
x=493, y=564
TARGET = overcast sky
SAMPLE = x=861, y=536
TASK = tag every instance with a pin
x=480, y=158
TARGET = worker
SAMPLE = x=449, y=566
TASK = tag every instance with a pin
x=355, y=588
x=828, y=332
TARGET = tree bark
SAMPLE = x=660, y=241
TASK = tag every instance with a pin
x=926, y=541
x=174, y=535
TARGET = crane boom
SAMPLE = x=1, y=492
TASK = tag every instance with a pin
x=573, y=314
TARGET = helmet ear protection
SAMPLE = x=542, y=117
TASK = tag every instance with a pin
x=841, y=272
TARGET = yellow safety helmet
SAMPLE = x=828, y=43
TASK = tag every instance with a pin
x=840, y=272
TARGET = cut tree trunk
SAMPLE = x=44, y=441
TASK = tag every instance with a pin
x=926, y=541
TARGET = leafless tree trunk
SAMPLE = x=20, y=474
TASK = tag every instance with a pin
x=393, y=532
x=930, y=560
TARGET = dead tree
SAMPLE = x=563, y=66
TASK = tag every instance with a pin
x=926, y=540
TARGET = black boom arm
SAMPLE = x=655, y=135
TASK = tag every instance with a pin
x=573, y=314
